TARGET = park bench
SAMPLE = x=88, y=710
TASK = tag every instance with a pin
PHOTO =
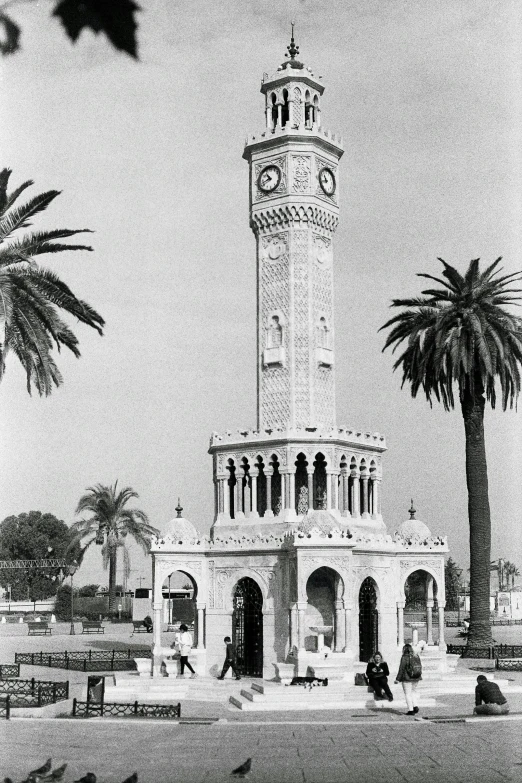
x=38, y=629
x=92, y=626
x=138, y=626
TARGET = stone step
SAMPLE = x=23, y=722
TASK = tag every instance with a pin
x=260, y=703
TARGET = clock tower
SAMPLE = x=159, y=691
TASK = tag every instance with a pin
x=297, y=460
x=294, y=206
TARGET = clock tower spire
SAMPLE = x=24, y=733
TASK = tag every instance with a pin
x=294, y=213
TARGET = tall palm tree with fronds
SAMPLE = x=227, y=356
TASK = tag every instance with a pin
x=462, y=334
x=31, y=296
x=109, y=524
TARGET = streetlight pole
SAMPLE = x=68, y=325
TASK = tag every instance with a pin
x=71, y=570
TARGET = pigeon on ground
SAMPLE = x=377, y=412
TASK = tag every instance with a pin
x=43, y=770
x=56, y=774
x=90, y=777
x=132, y=778
x=243, y=770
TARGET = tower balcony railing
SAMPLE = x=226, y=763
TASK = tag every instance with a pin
x=286, y=130
x=352, y=435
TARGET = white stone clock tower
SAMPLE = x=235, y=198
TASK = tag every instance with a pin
x=297, y=460
x=294, y=213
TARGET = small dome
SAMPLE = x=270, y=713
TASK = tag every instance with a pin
x=322, y=520
x=180, y=529
x=414, y=528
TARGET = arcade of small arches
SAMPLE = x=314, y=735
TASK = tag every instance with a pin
x=264, y=488
x=293, y=109
x=322, y=601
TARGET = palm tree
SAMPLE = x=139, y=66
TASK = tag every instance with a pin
x=109, y=525
x=462, y=334
x=30, y=296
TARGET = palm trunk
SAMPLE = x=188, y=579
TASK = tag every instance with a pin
x=112, y=582
x=479, y=517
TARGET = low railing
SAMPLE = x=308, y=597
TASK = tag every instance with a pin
x=86, y=709
x=86, y=661
x=9, y=670
x=33, y=693
x=509, y=664
x=493, y=652
x=5, y=707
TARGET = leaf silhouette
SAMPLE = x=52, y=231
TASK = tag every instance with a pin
x=114, y=18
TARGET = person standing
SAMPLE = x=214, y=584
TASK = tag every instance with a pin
x=409, y=675
x=377, y=673
x=185, y=646
x=230, y=659
x=489, y=699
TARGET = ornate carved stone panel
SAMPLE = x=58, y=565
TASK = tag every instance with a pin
x=302, y=315
x=301, y=165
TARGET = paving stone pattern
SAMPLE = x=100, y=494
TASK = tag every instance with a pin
x=285, y=753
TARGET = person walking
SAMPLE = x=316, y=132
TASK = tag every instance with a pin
x=185, y=646
x=489, y=699
x=230, y=659
x=377, y=673
x=409, y=675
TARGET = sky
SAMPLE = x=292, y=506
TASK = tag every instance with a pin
x=148, y=154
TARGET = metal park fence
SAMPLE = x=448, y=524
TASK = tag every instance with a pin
x=92, y=709
x=496, y=652
x=86, y=660
x=9, y=670
x=30, y=693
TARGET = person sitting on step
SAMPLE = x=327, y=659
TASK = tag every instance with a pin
x=377, y=673
x=489, y=699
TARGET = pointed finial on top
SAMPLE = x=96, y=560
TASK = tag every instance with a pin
x=179, y=509
x=412, y=511
x=293, y=50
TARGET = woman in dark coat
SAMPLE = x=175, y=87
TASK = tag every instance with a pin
x=377, y=673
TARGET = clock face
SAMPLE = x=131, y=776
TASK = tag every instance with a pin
x=269, y=178
x=327, y=181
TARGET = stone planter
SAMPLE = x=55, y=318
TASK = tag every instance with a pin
x=285, y=672
x=144, y=666
x=171, y=667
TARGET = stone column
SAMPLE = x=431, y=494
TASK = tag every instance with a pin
x=329, y=490
x=291, y=491
x=226, y=496
x=356, y=495
x=318, y=116
x=376, y=484
x=338, y=640
x=269, y=512
x=294, y=639
x=280, y=115
x=310, y=489
x=301, y=610
x=429, y=622
x=269, y=116
x=201, y=626
x=442, y=644
x=400, y=624
x=157, y=607
x=347, y=628
x=345, y=510
x=364, y=510
x=238, y=511
x=253, y=492
x=335, y=491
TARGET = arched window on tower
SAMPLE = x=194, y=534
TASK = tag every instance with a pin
x=317, y=114
x=323, y=349
x=274, y=352
x=308, y=110
x=285, y=113
x=273, y=100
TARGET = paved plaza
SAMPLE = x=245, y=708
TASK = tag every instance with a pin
x=330, y=747
x=313, y=752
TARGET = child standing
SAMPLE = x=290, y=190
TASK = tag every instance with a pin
x=230, y=660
